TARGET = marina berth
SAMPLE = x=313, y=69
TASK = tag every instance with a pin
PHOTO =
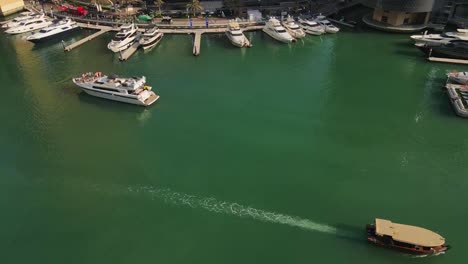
x=236, y=36
x=274, y=29
x=151, y=37
x=124, y=38
x=128, y=90
x=30, y=25
x=58, y=28
x=406, y=238
x=293, y=28
x=311, y=27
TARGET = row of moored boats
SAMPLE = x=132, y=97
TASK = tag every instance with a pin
x=287, y=31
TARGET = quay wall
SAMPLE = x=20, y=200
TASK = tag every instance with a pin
x=8, y=7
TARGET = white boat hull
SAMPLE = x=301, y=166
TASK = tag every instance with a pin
x=277, y=37
x=153, y=42
x=26, y=29
x=119, y=98
x=239, y=42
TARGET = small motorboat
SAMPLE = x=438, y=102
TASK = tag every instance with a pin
x=406, y=238
x=457, y=77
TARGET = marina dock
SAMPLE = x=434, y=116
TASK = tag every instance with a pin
x=196, y=43
x=447, y=60
x=126, y=54
x=86, y=39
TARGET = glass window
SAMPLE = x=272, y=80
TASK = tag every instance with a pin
x=384, y=19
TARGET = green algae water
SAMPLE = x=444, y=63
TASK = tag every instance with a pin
x=274, y=154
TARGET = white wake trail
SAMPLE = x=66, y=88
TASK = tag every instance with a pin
x=222, y=207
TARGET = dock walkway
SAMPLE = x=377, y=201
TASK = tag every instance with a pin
x=86, y=39
x=197, y=43
x=126, y=54
x=447, y=60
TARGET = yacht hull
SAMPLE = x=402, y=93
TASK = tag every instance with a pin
x=120, y=98
x=153, y=42
x=443, y=52
x=235, y=42
x=53, y=37
x=275, y=36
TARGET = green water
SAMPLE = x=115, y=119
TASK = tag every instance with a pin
x=334, y=130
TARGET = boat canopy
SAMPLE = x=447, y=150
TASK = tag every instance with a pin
x=408, y=234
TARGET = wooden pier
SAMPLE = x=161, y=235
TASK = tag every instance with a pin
x=197, y=43
x=88, y=38
x=126, y=54
x=447, y=60
x=341, y=23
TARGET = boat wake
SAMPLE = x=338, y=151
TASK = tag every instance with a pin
x=228, y=208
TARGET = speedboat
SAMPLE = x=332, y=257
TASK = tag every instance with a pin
x=293, y=28
x=124, y=38
x=274, y=29
x=455, y=49
x=235, y=35
x=58, y=27
x=311, y=27
x=128, y=90
x=457, y=77
x=151, y=38
x=30, y=25
x=406, y=238
x=327, y=25
x=17, y=20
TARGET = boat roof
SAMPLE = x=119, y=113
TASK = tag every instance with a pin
x=408, y=234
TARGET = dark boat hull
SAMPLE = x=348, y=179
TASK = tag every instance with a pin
x=444, y=52
x=389, y=243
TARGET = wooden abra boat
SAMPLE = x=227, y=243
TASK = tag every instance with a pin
x=406, y=238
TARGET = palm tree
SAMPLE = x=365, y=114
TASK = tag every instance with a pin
x=194, y=6
x=158, y=4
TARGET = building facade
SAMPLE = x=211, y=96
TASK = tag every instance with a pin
x=8, y=7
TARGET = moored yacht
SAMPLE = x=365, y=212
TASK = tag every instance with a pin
x=17, y=20
x=236, y=36
x=151, y=37
x=293, y=28
x=274, y=29
x=311, y=27
x=406, y=238
x=128, y=90
x=58, y=28
x=124, y=38
x=30, y=25
x=440, y=39
x=327, y=25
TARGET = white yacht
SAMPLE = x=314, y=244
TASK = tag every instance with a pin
x=236, y=36
x=17, y=20
x=128, y=90
x=311, y=27
x=151, y=38
x=124, y=38
x=327, y=25
x=58, y=27
x=443, y=38
x=274, y=29
x=293, y=28
x=29, y=25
